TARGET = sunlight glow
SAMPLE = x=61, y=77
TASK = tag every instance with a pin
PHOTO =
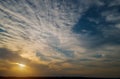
x=21, y=65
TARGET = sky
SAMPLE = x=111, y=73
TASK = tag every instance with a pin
x=60, y=38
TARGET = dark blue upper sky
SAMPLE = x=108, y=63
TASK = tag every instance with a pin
x=94, y=24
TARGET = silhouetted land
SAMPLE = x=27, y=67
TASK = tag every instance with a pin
x=54, y=78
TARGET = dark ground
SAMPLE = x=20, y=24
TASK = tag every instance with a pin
x=54, y=78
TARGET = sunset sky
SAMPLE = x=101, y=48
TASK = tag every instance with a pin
x=60, y=38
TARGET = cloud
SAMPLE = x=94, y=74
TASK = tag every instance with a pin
x=41, y=31
x=11, y=56
x=114, y=3
x=30, y=29
x=112, y=16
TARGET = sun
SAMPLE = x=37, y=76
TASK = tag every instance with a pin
x=21, y=69
x=21, y=65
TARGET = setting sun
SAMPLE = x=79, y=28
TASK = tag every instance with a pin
x=21, y=65
x=21, y=69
